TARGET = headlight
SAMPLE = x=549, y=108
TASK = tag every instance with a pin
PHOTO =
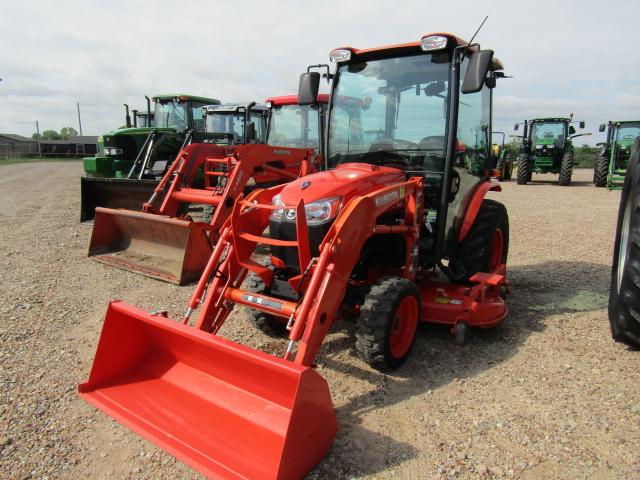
x=112, y=151
x=539, y=147
x=317, y=213
x=340, y=55
x=434, y=42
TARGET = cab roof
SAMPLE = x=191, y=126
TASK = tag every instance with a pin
x=234, y=107
x=171, y=96
x=293, y=99
x=551, y=119
x=458, y=42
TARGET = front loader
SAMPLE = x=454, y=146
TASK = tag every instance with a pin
x=610, y=167
x=131, y=160
x=396, y=229
x=547, y=147
x=164, y=240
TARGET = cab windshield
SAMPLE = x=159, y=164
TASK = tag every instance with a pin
x=401, y=112
x=548, y=133
x=169, y=114
x=232, y=123
x=627, y=133
x=294, y=126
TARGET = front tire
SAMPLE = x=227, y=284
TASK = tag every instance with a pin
x=601, y=171
x=388, y=323
x=566, y=169
x=524, y=175
x=624, y=294
x=265, y=322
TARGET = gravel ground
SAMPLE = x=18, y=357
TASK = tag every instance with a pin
x=547, y=394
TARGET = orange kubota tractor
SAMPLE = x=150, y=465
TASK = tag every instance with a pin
x=163, y=241
x=403, y=198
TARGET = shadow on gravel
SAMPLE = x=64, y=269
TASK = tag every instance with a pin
x=574, y=183
x=539, y=291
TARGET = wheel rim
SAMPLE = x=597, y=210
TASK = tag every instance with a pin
x=497, y=246
x=624, y=243
x=403, y=329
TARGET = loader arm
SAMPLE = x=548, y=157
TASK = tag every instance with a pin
x=311, y=317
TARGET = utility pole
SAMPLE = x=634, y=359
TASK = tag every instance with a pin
x=79, y=120
x=38, y=136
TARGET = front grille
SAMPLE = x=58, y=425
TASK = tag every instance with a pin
x=287, y=231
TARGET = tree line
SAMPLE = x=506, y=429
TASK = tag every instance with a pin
x=65, y=133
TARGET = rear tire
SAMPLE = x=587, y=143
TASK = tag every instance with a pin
x=601, y=171
x=487, y=243
x=388, y=323
x=624, y=296
x=265, y=322
x=508, y=169
x=566, y=169
x=524, y=175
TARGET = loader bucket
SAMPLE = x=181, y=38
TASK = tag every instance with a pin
x=113, y=193
x=224, y=409
x=164, y=248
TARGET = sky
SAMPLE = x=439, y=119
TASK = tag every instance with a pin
x=564, y=56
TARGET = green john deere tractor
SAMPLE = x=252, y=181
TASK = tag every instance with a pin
x=131, y=160
x=611, y=165
x=547, y=148
x=501, y=156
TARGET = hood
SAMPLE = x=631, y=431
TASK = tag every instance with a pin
x=346, y=181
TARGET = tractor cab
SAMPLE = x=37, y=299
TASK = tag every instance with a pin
x=180, y=112
x=392, y=117
x=142, y=119
x=611, y=165
x=294, y=125
x=547, y=148
x=235, y=124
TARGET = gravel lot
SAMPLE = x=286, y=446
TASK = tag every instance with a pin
x=546, y=395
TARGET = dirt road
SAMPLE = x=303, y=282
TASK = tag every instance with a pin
x=546, y=395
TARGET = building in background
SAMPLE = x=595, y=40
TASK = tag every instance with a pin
x=12, y=146
x=75, y=146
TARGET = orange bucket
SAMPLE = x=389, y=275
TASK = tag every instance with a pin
x=160, y=247
x=225, y=409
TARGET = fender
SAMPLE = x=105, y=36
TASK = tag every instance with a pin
x=473, y=205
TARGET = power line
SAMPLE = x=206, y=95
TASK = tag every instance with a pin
x=59, y=92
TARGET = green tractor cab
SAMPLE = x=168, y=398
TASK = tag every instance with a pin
x=501, y=158
x=173, y=117
x=140, y=153
x=610, y=167
x=547, y=147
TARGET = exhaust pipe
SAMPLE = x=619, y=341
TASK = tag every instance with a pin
x=148, y=106
x=135, y=118
x=127, y=116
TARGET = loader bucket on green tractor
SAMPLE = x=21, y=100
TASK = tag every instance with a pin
x=160, y=247
x=113, y=193
x=224, y=409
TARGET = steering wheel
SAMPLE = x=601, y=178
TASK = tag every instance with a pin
x=386, y=158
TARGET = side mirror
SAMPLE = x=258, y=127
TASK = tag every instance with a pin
x=516, y=127
x=602, y=127
x=490, y=82
x=572, y=130
x=308, y=88
x=581, y=124
x=433, y=89
x=251, y=132
x=477, y=71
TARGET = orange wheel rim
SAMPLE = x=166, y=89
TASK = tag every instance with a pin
x=497, y=247
x=403, y=329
